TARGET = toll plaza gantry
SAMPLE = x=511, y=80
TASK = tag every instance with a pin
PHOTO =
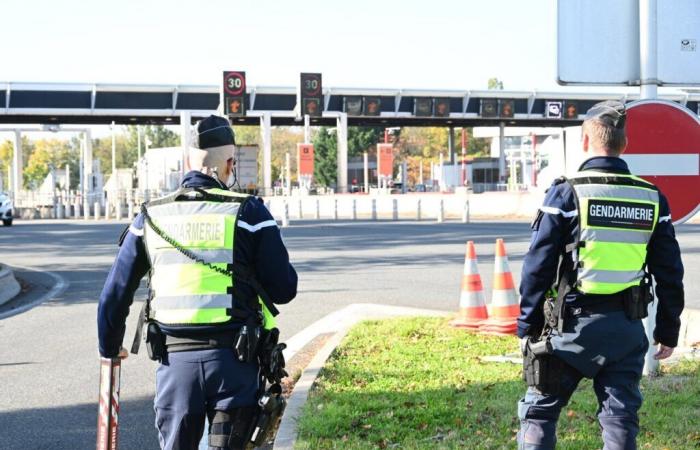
x=60, y=103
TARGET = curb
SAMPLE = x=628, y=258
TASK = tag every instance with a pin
x=60, y=285
x=9, y=287
x=339, y=323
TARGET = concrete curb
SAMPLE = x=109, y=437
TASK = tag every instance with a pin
x=61, y=284
x=338, y=322
x=9, y=287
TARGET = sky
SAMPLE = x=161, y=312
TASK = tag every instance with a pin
x=435, y=44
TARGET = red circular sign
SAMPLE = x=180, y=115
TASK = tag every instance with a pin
x=664, y=148
x=234, y=83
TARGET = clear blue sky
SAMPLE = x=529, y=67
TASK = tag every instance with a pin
x=364, y=43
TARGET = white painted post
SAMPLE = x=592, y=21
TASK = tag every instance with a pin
x=185, y=139
x=374, y=209
x=441, y=211
x=366, y=171
x=288, y=180
x=354, y=209
x=86, y=209
x=285, y=215
x=130, y=210
x=300, y=213
x=394, y=209
x=317, y=214
x=418, y=209
x=60, y=210
x=335, y=209
x=17, y=166
x=465, y=212
x=118, y=210
x=97, y=207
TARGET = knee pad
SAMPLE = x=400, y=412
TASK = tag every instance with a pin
x=229, y=429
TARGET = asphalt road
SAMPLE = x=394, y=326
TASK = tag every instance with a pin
x=48, y=355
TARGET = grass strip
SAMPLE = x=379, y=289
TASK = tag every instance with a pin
x=419, y=384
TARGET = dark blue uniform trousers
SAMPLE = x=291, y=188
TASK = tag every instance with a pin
x=193, y=384
x=610, y=349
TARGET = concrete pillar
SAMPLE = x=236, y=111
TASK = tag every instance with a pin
x=185, y=139
x=77, y=210
x=395, y=209
x=118, y=210
x=419, y=205
x=130, y=210
x=86, y=210
x=285, y=214
x=374, y=209
x=300, y=212
x=441, y=211
x=502, y=152
x=465, y=212
x=17, y=164
x=266, y=138
x=317, y=214
x=451, y=144
x=354, y=209
x=335, y=209
x=342, y=135
x=60, y=210
x=87, y=162
x=98, y=211
x=366, y=171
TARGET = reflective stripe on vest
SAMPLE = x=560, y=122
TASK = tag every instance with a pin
x=617, y=216
x=184, y=292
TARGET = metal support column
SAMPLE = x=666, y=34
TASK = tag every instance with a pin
x=451, y=144
x=87, y=162
x=185, y=140
x=17, y=165
x=365, y=163
x=342, y=136
x=266, y=137
x=501, y=153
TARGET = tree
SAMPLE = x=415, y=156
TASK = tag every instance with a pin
x=325, y=156
x=495, y=83
x=361, y=139
x=47, y=154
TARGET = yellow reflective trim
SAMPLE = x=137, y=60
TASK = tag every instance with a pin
x=195, y=231
x=226, y=193
x=269, y=321
x=191, y=316
x=590, y=287
x=188, y=279
x=613, y=255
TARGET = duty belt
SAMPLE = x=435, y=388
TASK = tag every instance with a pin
x=610, y=304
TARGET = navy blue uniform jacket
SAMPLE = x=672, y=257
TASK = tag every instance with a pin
x=558, y=226
x=258, y=245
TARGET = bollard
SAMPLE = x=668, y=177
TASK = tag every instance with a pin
x=86, y=210
x=441, y=211
x=118, y=211
x=285, y=215
x=131, y=211
x=300, y=213
x=395, y=209
x=335, y=209
x=60, y=211
x=54, y=209
x=97, y=211
x=317, y=215
x=374, y=209
x=354, y=209
x=77, y=210
x=418, y=210
x=465, y=212
x=107, y=211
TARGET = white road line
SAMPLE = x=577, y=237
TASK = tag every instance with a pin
x=57, y=289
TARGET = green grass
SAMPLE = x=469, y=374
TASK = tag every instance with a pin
x=419, y=384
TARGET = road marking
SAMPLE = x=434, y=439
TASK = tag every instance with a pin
x=58, y=288
x=664, y=164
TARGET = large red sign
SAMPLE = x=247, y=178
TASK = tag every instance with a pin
x=664, y=148
x=385, y=158
x=305, y=156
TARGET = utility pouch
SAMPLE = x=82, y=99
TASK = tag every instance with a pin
x=551, y=317
x=155, y=342
x=271, y=406
x=246, y=344
x=635, y=301
x=541, y=369
x=271, y=356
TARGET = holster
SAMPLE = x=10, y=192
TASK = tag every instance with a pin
x=636, y=299
x=271, y=406
x=271, y=356
x=541, y=369
x=155, y=342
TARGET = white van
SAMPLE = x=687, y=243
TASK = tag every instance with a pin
x=5, y=209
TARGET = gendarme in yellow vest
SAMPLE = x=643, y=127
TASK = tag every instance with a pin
x=617, y=216
x=183, y=291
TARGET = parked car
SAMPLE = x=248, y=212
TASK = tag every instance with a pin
x=5, y=210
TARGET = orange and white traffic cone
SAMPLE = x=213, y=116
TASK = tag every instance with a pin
x=472, y=309
x=505, y=307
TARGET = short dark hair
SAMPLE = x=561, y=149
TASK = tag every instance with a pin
x=605, y=137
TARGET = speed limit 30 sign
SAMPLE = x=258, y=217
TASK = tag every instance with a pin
x=234, y=93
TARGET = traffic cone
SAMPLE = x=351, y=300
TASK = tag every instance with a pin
x=472, y=309
x=505, y=307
